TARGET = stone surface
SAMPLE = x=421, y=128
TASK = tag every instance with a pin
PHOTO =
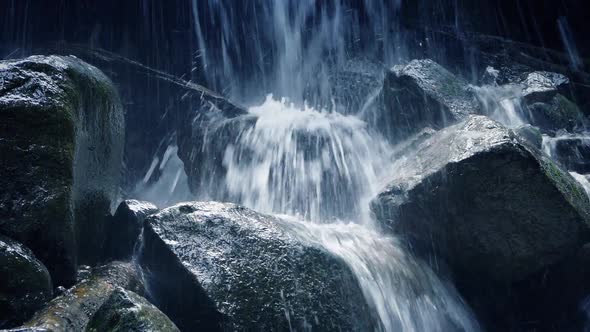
x=219, y=266
x=126, y=311
x=125, y=227
x=489, y=205
x=72, y=310
x=25, y=283
x=557, y=113
x=542, y=85
x=572, y=151
x=424, y=94
x=61, y=126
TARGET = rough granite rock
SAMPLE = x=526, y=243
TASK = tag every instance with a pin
x=219, y=266
x=72, y=310
x=489, y=205
x=25, y=284
x=125, y=227
x=424, y=94
x=126, y=311
x=542, y=86
x=61, y=138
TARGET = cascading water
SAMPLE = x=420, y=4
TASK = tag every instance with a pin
x=318, y=169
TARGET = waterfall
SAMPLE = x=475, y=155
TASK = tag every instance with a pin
x=314, y=164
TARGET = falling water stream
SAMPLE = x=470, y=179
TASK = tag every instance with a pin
x=316, y=168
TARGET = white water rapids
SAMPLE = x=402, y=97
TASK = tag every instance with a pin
x=318, y=170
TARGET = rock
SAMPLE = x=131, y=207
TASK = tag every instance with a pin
x=542, y=86
x=424, y=94
x=73, y=310
x=490, y=76
x=530, y=135
x=489, y=205
x=219, y=266
x=61, y=127
x=572, y=151
x=556, y=114
x=127, y=311
x=203, y=137
x=125, y=227
x=26, y=284
x=353, y=84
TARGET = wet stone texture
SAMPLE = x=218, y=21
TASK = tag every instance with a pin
x=25, y=283
x=127, y=311
x=125, y=227
x=72, y=310
x=218, y=266
x=61, y=126
x=487, y=203
x=424, y=94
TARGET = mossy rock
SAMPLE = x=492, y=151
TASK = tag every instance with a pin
x=72, y=310
x=126, y=311
x=61, y=138
x=25, y=283
x=555, y=114
x=488, y=204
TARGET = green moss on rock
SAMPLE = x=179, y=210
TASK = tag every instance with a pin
x=126, y=311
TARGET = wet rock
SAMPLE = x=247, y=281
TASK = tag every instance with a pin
x=204, y=135
x=124, y=228
x=26, y=284
x=542, y=86
x=490, y=76
x=219, y=266
x=572, y=151
x=424, y=94
x=556, y=114
x=490, y=206
x=127, y=311
x=530, y=135
x=61, y=126
x=73, y=310
x=354, y=83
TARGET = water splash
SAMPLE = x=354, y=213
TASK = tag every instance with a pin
x=314, y=164
x=403, y=291
x=502, y=103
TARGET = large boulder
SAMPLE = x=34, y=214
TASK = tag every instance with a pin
x=127, y=311
x=218, y=266
x=72, y=310
x=423, y=94
x=491, y=206
x=124, y=228
x=26, y=284
x=61, y=127
x=556, y=113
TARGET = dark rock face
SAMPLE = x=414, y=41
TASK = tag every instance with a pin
x=424, y=94
x=26, y=284
x=556, y=113
x=530, y=135
x=488, y=204
x=573, y=152
x=219, y=266
x=62, y=132
x=127, y=311
x=203, y=137
x=72, y=310
x=124, y=228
